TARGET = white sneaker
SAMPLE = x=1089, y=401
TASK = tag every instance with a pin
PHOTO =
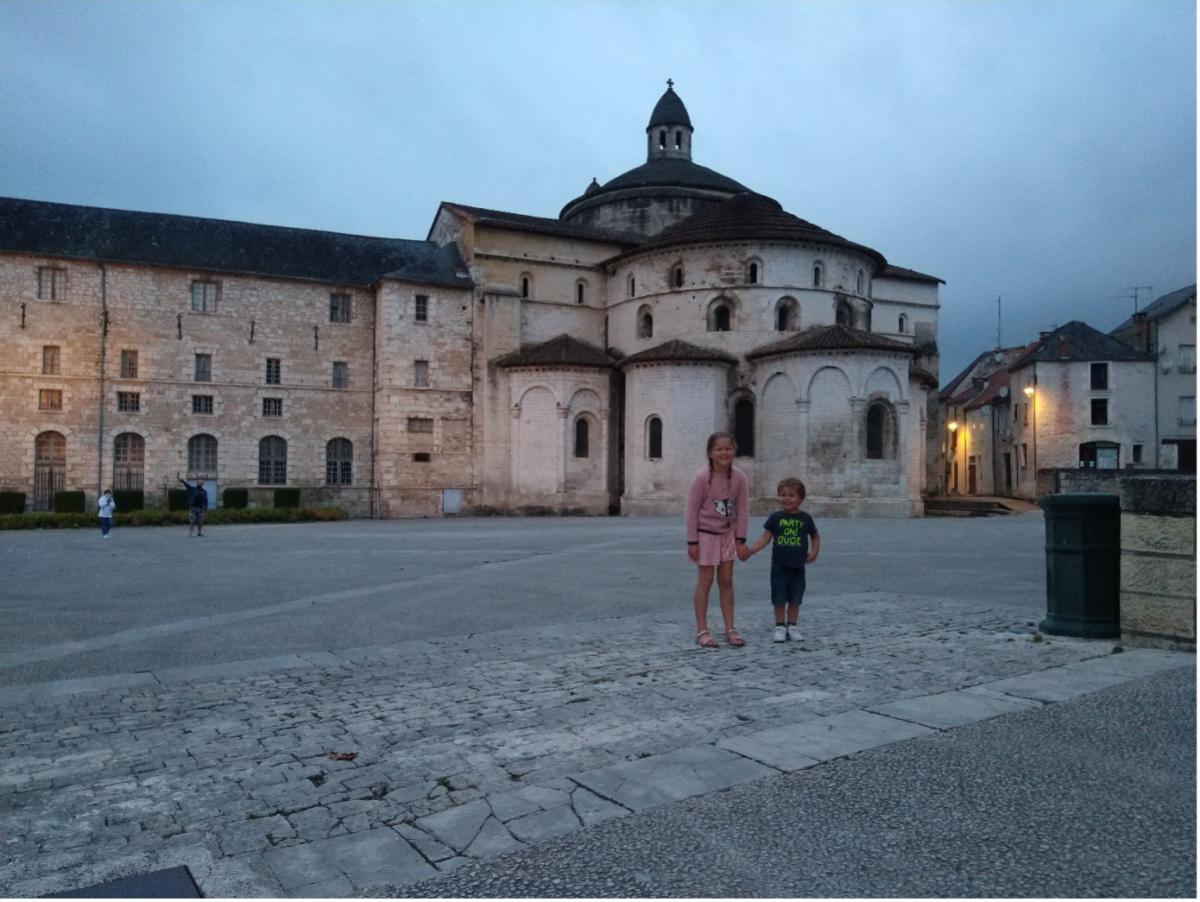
x=794, y=634
x=106, y=536
x=781, y=634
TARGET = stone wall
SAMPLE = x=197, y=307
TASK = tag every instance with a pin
x=1158, y=561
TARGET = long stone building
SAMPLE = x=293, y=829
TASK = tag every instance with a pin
x=505, y=363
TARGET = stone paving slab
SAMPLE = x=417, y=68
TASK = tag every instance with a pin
x=1058, y=684
x=364, y=859
x=953, y=709
x=1132, y=662
x=822, y=739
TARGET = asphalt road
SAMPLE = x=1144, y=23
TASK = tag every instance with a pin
x=77, y=606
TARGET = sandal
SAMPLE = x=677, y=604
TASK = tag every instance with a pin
x=705, y=639
x=732, y=637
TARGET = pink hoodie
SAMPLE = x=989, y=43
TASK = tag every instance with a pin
x=717, y=505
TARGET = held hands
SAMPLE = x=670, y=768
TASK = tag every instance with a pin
x=743, y=553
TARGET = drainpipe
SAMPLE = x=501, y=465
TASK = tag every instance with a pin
x=103, y=354
x=374, y=388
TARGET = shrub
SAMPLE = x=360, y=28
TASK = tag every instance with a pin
x=12, y=502
x=129, y=499
x=235, y=498
x=287, y=497
x=70, y=502
x=177, y=499
x=159, y=517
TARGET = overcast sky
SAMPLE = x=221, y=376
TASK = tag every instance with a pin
x=1040, y=151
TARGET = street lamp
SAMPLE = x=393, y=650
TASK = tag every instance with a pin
x=1030, y=393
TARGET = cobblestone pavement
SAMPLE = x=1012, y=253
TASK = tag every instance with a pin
x=328, y=773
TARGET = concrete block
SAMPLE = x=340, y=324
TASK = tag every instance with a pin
x=1159, y=575
x=952, y=709
x=1162, y=615
x=1146, y=532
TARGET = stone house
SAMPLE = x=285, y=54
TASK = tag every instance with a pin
x=505, y=363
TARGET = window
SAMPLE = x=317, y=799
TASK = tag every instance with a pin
x=203, y=368
x=339, y=307
x=1100, y=455
x=720, y=319
x=421, y=308
x=272, y=461
x=1099, y=376
x=204, y=297
x=743, y=427
x=818, y=275
x=1024, y=454
x=1099, y=411
x=51, y=359
x=881, y=432
x=1137, y=454
x=1187, y=358
x=844, y=315
x=422, y=457
x=274, y=371
x=677, y=277
x=632, y=286
x=1016, y=415
x=339, y=461
x=645, y=323
x=341, y=374
x=524, y=286
x=1187, y=410
x=129, y=401
x=129, y=364
x=662, y=139
x=202, y=455
x=902, y=324
x=579, y=292
x=421, y=373
x=752, y=273
x=272, y=407
x=654, y=438
x=129, y=455
x=581, y=437
x=202, y=403
x=51, y=283
x=420, y=424
x=678, y=139
x=858, y=283
x=787, y=315
x=50, y=399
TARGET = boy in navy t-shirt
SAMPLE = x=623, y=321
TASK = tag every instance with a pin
x=796, y=544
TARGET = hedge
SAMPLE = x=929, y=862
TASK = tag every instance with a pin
x=237, y=499
x=69, y=502
x=159, y=517
x=177, y=499
x=288, y=497
x=129, y=499
x=12, y=502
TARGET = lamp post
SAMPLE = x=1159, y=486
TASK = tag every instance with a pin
x=1031, y=394
x=953, y=427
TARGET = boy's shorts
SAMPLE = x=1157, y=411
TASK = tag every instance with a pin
x=787, y=587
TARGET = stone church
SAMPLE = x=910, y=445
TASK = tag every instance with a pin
x=506, y=363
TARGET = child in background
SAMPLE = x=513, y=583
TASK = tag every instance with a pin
x=716, y=525
x=106, y=505
x=793, y=531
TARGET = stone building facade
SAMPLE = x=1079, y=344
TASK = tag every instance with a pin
x=505, y=363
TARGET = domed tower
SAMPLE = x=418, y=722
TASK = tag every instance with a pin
x=666, y=189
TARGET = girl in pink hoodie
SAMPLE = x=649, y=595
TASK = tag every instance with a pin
x=716, y=527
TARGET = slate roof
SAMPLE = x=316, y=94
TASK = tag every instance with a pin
x=562, y=350
x=832, y=338
x=1073, y=342
x=924, y=376
x=959, y=389
x=669, y=111
x=749, y=216
x=218, y=245
x=899, y=272
x=1161, y=306
x=991, y=390
x=539, y=224
x=676, y=350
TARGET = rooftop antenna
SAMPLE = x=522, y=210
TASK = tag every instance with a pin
x=1135, y=289
x=999, y=343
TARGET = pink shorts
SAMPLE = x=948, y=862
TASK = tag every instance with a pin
x=716, y=550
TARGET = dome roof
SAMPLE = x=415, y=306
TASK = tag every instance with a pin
x=673, y=172
x=669, y=110
x=749, y=216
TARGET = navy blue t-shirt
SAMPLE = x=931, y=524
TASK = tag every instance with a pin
x=790, y=533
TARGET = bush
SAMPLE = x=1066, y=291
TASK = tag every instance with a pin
x=287, y=497
x=12, y=502
x=129, y=499
x=158, y=517
x=235, y=498
x=70, y=502
x=177, y=499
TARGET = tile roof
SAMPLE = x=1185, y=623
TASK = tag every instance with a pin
x=1076, y=341
x=218, y=245
x=562, y=350
x=996, y=388
x=832, y=338
x=540, y=224
x=749, y=216
x=899, y=272
x=678, y=350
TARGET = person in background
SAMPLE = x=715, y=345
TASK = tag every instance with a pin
x=197, y=503
x=107, y=506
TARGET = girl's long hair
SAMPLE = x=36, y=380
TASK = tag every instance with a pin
x=712, y=440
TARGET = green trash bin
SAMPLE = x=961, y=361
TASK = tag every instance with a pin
x=1083, y=569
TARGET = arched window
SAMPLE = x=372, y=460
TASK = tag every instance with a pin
x=49, y=468
x=743, y=427
x=525, y=282
x=632, y=287
x=339, y=462
x=678, y=139
x=787, y=315
x=818, y=275
x=654, y=438
x=720, y=319
x=645, y=323
x=752, y=273
x=580, y=291
x=129, y=456
x=677, y=277
x=845, y=314
x=662, y=139
x=902, y=325
x=202, y=456
x=858, y=282
x=581, y=437
x=272, y=461
x=881, y=431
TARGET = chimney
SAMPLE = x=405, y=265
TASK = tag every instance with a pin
x=1141, y=332
x=1062, y=346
